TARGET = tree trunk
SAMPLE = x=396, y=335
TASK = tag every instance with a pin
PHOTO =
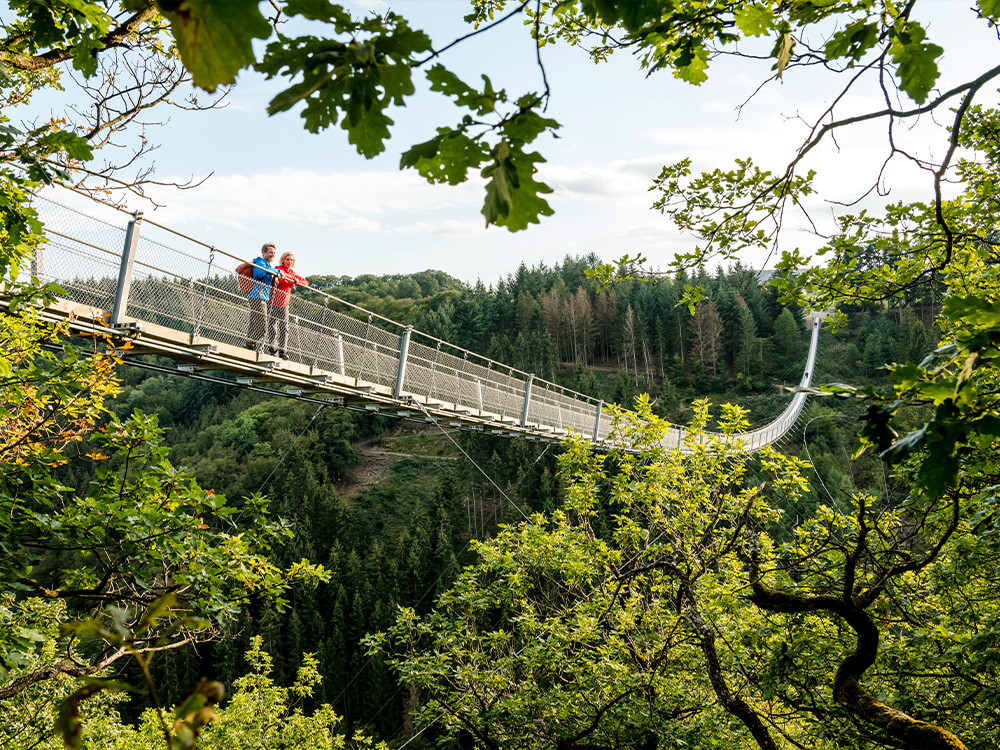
x=908, y=733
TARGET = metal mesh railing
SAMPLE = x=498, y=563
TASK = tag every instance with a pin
x=186, y=285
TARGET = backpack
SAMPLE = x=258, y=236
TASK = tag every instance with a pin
x=244, y=275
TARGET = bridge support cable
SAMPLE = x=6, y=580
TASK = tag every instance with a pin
x=179, y=297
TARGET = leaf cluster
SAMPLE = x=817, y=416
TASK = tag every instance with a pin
x=352, y=77
x=76, y=26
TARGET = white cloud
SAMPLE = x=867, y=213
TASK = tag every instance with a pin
x=351, y=200
x=353, y=224
x=661, y=232
x=448, y=228
x=616, y=182
x=369, y=5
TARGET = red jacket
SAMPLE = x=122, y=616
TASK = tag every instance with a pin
x=281, y=292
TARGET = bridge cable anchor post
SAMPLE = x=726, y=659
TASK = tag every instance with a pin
x=597, y=420
x=404, y=346
x=125, y=271
x=527, y=399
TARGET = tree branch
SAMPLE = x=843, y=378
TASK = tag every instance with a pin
x=848, y=691
x=114, y=38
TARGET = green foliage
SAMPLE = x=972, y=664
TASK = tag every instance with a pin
x=853, y=41
x=387, y=530
x=351, y=81
x=258, y=713
x=215, y=40
x=914, y=341
x=731, y=211
x=918, y=71
x=680, y=36
x=512, y=193
x=560, y=635
x=120, y=634
x=575, y=618
x=350, y=77
x=958, y=379
x=77, y=25
x=148, y=529
x=46, y=152
x=32, y=712
x=20, y=229
x=571, y=632
x=147, y=559
x=512, y=198
x=263, y=714
x=354, y=72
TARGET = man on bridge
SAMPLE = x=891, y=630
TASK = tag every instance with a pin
x=263, y=274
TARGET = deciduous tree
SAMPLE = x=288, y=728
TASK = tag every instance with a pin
x=141, y=530
x=696, y=617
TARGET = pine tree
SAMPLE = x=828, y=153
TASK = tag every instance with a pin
x=706, y=336
x=914, y=342
x=788, y=345
x=748, y=350
x=630, y=343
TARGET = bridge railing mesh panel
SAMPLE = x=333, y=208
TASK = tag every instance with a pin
x=469, y=381
x=552, y=407
x=82, y=255
x=87, y=276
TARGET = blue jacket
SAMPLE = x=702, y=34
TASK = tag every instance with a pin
x=262, y=278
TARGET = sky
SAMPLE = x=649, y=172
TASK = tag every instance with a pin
x=273, y=181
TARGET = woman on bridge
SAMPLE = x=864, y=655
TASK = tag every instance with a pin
x=281, y=295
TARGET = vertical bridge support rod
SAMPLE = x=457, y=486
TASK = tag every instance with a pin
x=125, y=272
x=38, y=263
x=597, y=420
x=404, y=347
x=527, y=398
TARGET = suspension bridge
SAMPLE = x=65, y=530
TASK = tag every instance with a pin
x=129, y=278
